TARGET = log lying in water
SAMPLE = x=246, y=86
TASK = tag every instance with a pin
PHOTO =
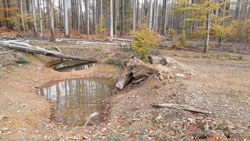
x=19, y=46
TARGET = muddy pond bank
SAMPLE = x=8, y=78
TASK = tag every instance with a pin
x=26, y=115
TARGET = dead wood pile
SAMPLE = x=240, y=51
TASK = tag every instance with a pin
x=159, y=67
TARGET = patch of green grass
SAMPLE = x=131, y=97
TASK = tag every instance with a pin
x=240, y=57
x=197, y=56
x=21, y=60
x=154, y=120
x=113, y=138
x=222, y=126
x=187, y=56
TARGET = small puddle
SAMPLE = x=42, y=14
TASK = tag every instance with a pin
x=70, y=65
x=76, y=100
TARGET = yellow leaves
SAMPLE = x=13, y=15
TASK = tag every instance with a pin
x=240, y=30
x=100, y=28
x=220, y=31
x=143, y=41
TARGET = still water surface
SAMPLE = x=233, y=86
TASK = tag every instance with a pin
x=75, y=100
x=69, y=66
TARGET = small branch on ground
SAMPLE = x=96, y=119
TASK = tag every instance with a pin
x=179, y=106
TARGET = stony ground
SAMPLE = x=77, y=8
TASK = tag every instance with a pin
x=220, y=84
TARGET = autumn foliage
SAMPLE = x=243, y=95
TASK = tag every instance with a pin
x=143, y=41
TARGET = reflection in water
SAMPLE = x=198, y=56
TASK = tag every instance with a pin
x=75, y=100
x=68, y=66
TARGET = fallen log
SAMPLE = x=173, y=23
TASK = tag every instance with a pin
x=76, y=40
x=179, y=106
x=19, y=46
x=120, y=39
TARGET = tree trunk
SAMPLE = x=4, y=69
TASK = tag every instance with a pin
x=44, y=14
x=111, y=32
x=172, y=15
x=28, y=12
x=94, y=14
x=156, y=16
x=223, y=22
x=138, y=13
x=101, y=7
x=78, y=18
x=184, y=23
x=34, y=17
x=165, y=18
x=208, y=30
x=6, y=15
x=48, y=12
x=21, y=6
x=237, y=10
x=52, y=25
x=66, y=20
x=247, y=11
x=72, y=13
x=122, y=18
x=40, y=18
x=87, y=15
x=38, y=50
x=150, y=14
x=116, y=14
x=60, y=13
x=134, y=13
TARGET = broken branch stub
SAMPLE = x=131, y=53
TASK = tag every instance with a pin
x=124, y=80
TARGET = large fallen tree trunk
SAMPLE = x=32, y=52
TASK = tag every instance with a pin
x=19, y=46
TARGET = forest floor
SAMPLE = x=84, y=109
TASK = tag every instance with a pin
x=220, y=84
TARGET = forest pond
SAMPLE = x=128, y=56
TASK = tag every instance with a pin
x=70, y=65
x=76, y=100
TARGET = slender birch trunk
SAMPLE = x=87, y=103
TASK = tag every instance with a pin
x=223, y=22
x=122, y=18
x=237, y=10
x=111, y=20
x=172, y=16
x=52, y=26
x=78, y=18
x=21, y=5
x=87, y=15
x=208, y=30
x=156, y=16
x=184, y=23
x=66, y=20
x=247, y=11
x=134, y=13
x=165, y=18
x=34, y=17
x=150, y=14
x=40, y=18
x=94, y=14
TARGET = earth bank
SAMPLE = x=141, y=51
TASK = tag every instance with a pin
x=216, y=86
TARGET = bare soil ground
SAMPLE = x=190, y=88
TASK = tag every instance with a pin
x=220, y=84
